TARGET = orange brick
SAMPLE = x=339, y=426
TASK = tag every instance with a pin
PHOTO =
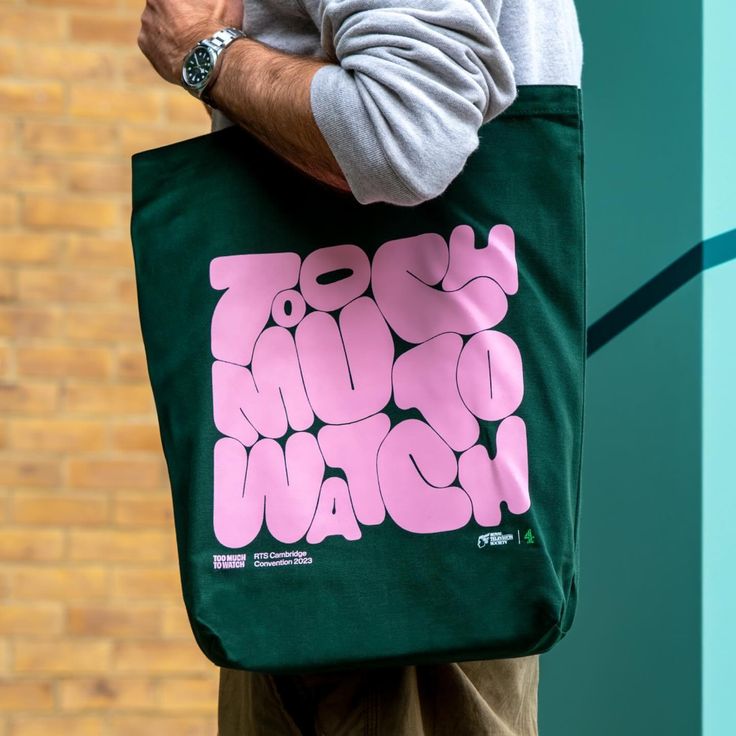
x=4, y=518
x=142, y=138
x=47, y=24
x=69, y=138
x=137, y=437
x=79, y=4
x=156, y=725
x=132, y=364
x=182, y=108
x=28, y=398
x=28, y=471
x=99, y=252
x=118, y=546
x=59, y=509
x=38, y=285
x=28, y=248
x=59, y=583
x=55, y=434
x=126, y=4
x=103, y=29
x=8, y=287
x=33, y=725
x=135, y=69
x=155, y=583
x=141, y=510
x=32, y=695
x=43, y=210
x=99, y=176
x=22, y=321
x=127, y=290
x=191, y=694
x=113, y=473
x=104, y=103
x=108, y=399
x=30, y=175
x=69, y=63
x=160, y=657
x=3, y=446
x=116, y=621
x=110, y=693
x=78, y=656
x=6, y=356
x=4, y=657
x=175, y=623
x=9, y=56
x=22, y=618
x=82, y=566
x=31, y=544
x=8, y=209
x=68, y=286
x=104, y=325
x=62, y=361
x=8, y=128
x=4, y=573
x=25, y=98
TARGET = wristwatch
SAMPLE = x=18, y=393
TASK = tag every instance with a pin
x=200, y=67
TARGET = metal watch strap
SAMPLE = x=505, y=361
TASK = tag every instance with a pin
x=218, y=42
x=223, y=38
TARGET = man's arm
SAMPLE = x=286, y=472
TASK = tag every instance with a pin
x=396, y=117
x=268, y=92
x=262, y=89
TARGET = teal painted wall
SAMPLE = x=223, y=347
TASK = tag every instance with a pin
x=632, y=662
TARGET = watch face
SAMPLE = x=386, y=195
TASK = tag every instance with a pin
x=198, y=66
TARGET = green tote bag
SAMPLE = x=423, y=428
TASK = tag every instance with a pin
x=371, y=414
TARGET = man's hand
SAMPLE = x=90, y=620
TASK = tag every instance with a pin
x=260, y=88
x=169, y=29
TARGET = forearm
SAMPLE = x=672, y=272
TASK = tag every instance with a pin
x=394, y=120
x=267, y=91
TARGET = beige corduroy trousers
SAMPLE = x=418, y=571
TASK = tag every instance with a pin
x=485, y=698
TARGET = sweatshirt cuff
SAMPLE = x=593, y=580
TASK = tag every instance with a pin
x=346, y=127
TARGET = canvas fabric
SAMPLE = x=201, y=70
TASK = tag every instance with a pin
x=371, y=414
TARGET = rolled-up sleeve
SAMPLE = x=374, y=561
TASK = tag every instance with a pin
x=415, y=80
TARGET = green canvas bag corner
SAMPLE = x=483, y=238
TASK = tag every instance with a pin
x=371, y=414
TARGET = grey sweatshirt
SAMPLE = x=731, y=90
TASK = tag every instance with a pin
x=413, y=80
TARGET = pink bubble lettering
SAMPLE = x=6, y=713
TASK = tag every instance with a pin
x=252, y=282
x=283, y=486
x=288, y=308
x=353, y=448
x=489, y=375
x=330, y=422
x=436, y=395
x=346, y=366
x=270, y=397
x=334, y=515
x=405, y=280
x=496, y=261
x=416, y=469
x=332, y=277
x=505, y=478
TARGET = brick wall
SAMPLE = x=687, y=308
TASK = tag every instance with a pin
x=93, y=635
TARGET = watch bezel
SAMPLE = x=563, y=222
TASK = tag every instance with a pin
x=199, y=87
